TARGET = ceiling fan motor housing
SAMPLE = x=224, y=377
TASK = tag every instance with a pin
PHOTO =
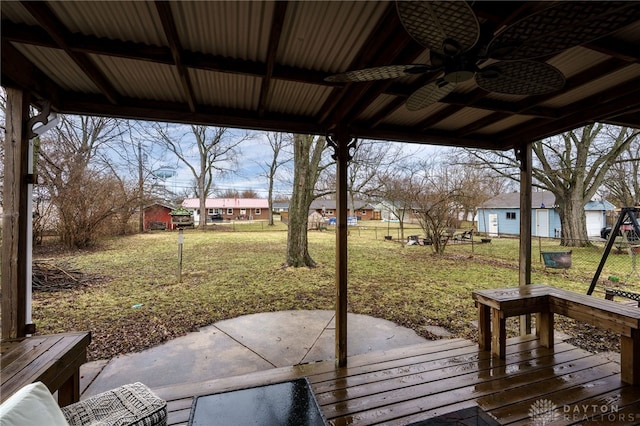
x=458, y=69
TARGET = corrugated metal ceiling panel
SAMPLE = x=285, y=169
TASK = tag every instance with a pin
x=226, y=90
x=141, y=79
x=15, y=12
x=575, y=60
x=238, y=29
x=380, y=102
x=56, y=64
x=308, y=43
x=123, y=20
x=511, y=122
x=462, y=118
x=595, y=86
x=288, y=97
x=403, y=117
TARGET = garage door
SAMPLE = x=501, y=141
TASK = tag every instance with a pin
x=594, y=223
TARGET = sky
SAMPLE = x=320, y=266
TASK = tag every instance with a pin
x=253, y=158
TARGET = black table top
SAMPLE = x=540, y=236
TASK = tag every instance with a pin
x=287, y=403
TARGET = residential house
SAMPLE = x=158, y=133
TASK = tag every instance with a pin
x=361, y=209
x=387, y=212
x=280, y=207
x=501, y=215
x=230, y=208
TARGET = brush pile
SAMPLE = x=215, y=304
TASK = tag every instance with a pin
x=48, y=277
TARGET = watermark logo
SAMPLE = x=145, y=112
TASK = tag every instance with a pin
x=543, y=412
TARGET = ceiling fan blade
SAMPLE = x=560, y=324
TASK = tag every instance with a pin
x=429, y=94
x=440, y=25
x=540, y=35
x=378, y=73
x=520, y=78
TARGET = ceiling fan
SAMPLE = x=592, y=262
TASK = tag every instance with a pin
x=461, y=49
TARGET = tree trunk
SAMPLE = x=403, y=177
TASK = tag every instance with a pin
x=203, y=203
x=307, y=153
x=574, y=224
x=270, y=201
x=297, y=245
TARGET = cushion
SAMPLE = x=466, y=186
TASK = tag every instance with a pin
x=129, y=405
x=33, y=405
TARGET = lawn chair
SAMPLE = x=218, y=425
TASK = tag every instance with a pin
x=129, y=405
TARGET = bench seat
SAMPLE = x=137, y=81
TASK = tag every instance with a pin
x=496, y=305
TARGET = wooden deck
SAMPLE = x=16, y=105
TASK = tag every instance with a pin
x=419, y=382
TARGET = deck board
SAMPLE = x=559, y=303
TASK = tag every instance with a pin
x=422, y=381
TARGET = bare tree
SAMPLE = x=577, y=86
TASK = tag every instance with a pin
x=279, y=142
x=229, y=193
x=371, y=159
x=249, y=193
x=435, y=200
x=132, y=160
x=572, y=166
x=396, y=192
x=475, y=185
x=622, y=185
x=205, y=151
x=307, y=158
x=78, y=181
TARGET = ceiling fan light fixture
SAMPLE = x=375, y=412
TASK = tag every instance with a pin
x=458, y=69
x=459, y=76
x=451, y=47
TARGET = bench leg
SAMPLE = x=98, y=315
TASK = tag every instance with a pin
x=484, y=327
x=498, y=334
x=544, y=328
x=69, y=392
x=630, y=358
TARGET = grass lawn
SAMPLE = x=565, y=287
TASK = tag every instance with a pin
x=134, y=300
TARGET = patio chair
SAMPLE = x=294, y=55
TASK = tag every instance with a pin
x=129, y=405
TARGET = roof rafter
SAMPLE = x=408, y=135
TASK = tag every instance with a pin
x=277, y=23
x=60, y=34
x=177, y=113
x=608, y=103
x=33, y=35
x=171, y=32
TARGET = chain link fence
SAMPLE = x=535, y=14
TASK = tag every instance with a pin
x=621, y=268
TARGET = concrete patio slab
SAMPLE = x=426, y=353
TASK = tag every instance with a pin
x=284, y=338
x=244, y=345
x=364, y=334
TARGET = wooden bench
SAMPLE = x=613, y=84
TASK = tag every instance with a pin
x=609, y=293
x=53, y=359
x=496, y=305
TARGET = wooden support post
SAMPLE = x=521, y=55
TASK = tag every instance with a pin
x=544, y=328
x=342, y=144
x=14, y=224
x=630, y=357
x=523, y=154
